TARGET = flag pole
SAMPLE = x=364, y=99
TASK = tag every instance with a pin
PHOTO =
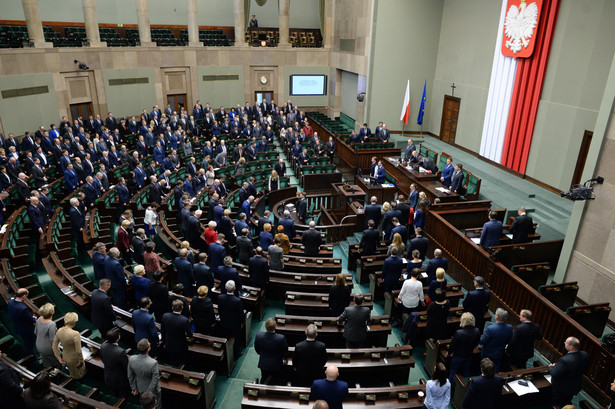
x=403, y=128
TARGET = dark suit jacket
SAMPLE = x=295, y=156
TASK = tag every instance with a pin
x=464, y=341
x=271, y=348
x=433, y=265
x=332, y=392
x=492, y=231
x=175, y=328
x=311, y=240
x=185, y=274
x=339, y=299
x=402, y=230
x=302, y=209
x=309, y=360
x=567, y=374
x=419, y=243
x=258, y=268
x=138, y=246
x=521, y=227
x=495, y=338
x=115, y=360
x=159, y=294
x=355, y=321
x=10, y=388
x=217, y=252
x=521, y=345
x=483, y=393
x=244, y=249
x=23, y=321
x=202, y=311
x=144, y=326
x=476, y=302
x=391, y=271
x=225, y=273
x=231, y=313
x=372, y=212
x=203, y=275
x=102, y=311
x=457, y=182
x=98, y=260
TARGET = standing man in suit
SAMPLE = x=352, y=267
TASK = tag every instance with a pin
x=258, y=269
x=435, y=263
x=301, y=207
x=288, y=224
x=115, y=360
x=355, y=319
x=272, y=350
x=484, y=391
x=408, y=151
x=217, y=253
x=380, y=173
x=413, y=197
x=175, y=327
x=143, y=372
x=521, y=346
x=22, y=319
x=447, y=173
x=495, y=338
x=330, y=389
x=102, y=313
x=310, y=358
x=226, y=272
x=476, y=302
x=144, y=325
x=115, y=272
x=492, y=231
x=457, y=181
x=391, y=270
x=369, y=239
x=521, y=227
x=567, y=373
x=311, y=240
x=330, y=149
x=419, y=243
x=232, y=317
x=77, y=224
x=372, y=212
x=98, y=260
x=185, y=273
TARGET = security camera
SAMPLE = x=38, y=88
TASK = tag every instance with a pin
x=583, y=192
x=82, y=65
x=361, y=97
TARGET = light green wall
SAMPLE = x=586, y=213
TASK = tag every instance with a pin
x=465, y=57
x=578, y=68
x=350, y=82
x=312, y=101
x=27, y=113
x=267, y=15
x=304, y=14
x=404, y=46
x=129, y=99
x=221, y=93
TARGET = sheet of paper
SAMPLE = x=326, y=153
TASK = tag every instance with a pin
x=87, y=355
x=476, y=240
x=521, y=390
x=548, y=378
x=509, y=236
x=424, y=275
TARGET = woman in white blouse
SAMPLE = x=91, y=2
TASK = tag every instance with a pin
x=411, y=294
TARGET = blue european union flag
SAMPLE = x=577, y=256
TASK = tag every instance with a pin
x=419, y=119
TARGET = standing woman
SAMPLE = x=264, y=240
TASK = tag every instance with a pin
x=437, y=316
x=150, y=221
x=339, y=295
x=70, y=355
x=419, y=216
x=438, y=389
x=211, y=175
x=45, y=331
x=397, y=242
x=284, y=240
x=274, y=181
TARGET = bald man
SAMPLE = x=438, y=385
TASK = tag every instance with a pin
x=330, y=389
x=567, y=373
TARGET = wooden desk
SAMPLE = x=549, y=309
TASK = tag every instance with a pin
x=383, y=194
x=304, y=303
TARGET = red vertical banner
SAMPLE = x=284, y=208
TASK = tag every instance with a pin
x=527, y=90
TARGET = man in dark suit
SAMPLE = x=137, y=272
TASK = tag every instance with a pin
x=310, y=358
x=174, y=329
x=244, y=247
x=226, y=273
x=567, y=373
x=232, y=317
x=217, y=253
x=457, y=182
x=202, y=273
x=495, y=338
x=159, y=294
x=399, y=228
x=391, y=270
x=476, y=302
x=435, y=263
x=185, y=273
x=258, y=268
x=98, y=260
x=115, y=361
x=330, y=389
x=355, y=319
x=521, y=227
x=369, y=239
x=419, y=243
x=144, y=325
x=411, y=147
x=387, y=221
x=155, y=191
x=492, y=232
x=301, y=207
x=102, y=313
x=521, y=346
x=289, y=225
x=372, y=212
x=311, y=240
x=77, y=223
x=280, y=167
x=115, y=272
x=272, y=349
x=22, y=319
x=484, y=391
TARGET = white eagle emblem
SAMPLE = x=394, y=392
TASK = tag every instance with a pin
x=519, y=25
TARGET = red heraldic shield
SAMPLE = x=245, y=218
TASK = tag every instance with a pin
x=520, y=27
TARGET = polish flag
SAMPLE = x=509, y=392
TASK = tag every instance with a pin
x=405, y=109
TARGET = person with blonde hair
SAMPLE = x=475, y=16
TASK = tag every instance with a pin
x=123, y=241
x=45, y=330
x=186, y=245
x=265, y=237
x=70, y=355
x=274, y=181
x=210, y=234
x=140, y=284
x=202, y=311
x=440, y=282
x=397, y=242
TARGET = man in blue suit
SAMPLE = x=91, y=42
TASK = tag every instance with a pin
x=123, y=193
x=457, y=181
x=492, y=231
x=447, y=173
x=232, y=316
x=37, y=222
x=98, y=260
x=289, y=225
x=174, y=328
x=364, y=133
x=140, y=175
x=271, y=348
x=245, y=208
x=241, y=224
x=413, y=197
x=330, y=389
x=372, y=212
x=484, y=391
x=436, y=262
x=144, y=325
x=380, y=177
x=159, y=154
x=398, y=228
x=476, y=302
x=495, y=338
x=115, y=272
x=226, y=272
x=216, y=253
x=391, y=271
x=91, y=193
x=70, y=179
x=185, y=273
x=23, y=321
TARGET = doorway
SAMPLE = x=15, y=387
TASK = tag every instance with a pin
x=583, y=150
x=84, y=110
x=259, y=96
x=177, y=101
x=450, y=115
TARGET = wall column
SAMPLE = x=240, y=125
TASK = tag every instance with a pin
x=34, y=24
x=327, y=36
x=240, y=24
x=91, y=23
x=193, y=25
x=284, y=23
x=145, y=34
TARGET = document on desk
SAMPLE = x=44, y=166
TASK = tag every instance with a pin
x=521, y=390
x=476, y=240
x=548, y=378
x=509, y=236
x=87, y=355
x=387, y=185
x=443, y=190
